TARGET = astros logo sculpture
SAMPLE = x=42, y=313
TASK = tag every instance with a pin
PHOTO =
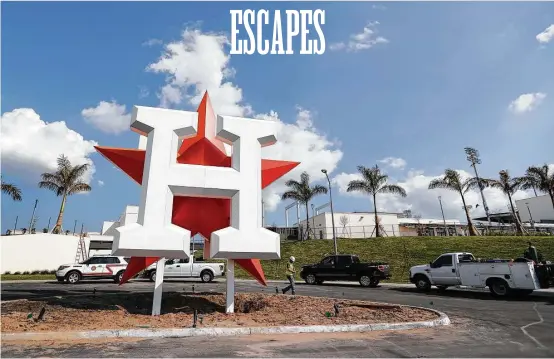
x=193, y=188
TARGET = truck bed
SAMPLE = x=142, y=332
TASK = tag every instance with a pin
x=517, y=275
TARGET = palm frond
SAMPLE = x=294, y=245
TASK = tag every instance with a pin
x=319, y=189
x=12, y=190
x=51, y=186
x=358, y=186
x=295, y=196
x=393, y=189
x=78, y=187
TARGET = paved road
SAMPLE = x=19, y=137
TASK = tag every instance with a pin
x=482, y=327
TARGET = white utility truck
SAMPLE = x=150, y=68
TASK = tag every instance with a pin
x=503, y=277
x=185, y=268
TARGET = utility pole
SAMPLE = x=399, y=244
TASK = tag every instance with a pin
x=443, y=219
x=33, y=216
x=473, y=158
x=332, y=213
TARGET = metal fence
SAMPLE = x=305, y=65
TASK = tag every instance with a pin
x=427, y=230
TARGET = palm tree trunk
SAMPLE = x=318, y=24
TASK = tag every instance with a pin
x=58, y=227
x=551, y=193
x=307, y=222
x=377, y=229
x=516, y=220
x=471, y=229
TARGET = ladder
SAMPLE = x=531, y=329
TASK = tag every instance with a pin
x=81, y=254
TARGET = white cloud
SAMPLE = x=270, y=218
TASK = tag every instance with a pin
x=31, y=146
x=361, y=41
x=108, y=117
x=194, y=64
x=300, y=142
x=100, y=183
x=199, y=62
x=547, y=35
x=423, y=201
x=394, y=162
x=143, y=92
x=152, y=42
x=526, y=102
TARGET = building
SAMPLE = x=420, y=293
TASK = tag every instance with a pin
x=352, y=225
x=538, y=209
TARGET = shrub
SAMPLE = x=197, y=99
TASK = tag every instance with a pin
x=7, y=272
x=45, y=271
x=17, y=273
x=26, y=272
x=35, y=272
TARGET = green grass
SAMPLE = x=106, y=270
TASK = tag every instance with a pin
x=403, y=252
x=27, y=277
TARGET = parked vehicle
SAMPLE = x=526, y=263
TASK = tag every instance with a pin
x=183, y=268
x=345, y=267
x=502, y=277
x=96, y=267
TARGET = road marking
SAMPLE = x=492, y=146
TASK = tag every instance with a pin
x=523, y=328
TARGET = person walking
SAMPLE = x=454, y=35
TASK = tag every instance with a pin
x=290, y=276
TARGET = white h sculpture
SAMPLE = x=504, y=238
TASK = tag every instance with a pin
x=163, y=178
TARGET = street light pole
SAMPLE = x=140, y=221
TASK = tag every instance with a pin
x=313, y=219
x=31, y=224
x=443, y=220
x=530, y=215
x=332, y=212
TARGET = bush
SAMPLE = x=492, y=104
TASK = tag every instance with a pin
x=26, y=272
x=7, y=272
x=45, y=271
x=35, y=272
x=53, y=271
x=17, y=273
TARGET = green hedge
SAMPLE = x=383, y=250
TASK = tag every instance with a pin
x=403, y=252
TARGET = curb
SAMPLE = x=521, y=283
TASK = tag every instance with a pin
x=210, y=332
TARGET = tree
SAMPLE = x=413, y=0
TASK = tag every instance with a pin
x=509, y=186
x=373, y=182
x=65, y=181
x=539, y=177
x=303, y=193
x=453, y=181
x=12, y=190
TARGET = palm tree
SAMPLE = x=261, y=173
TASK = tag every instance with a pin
x=65, y=181
x=12, y=190
x=453, y=181
x=540, y=178
x=373, y=182
x=509, y=186
x=303, y=193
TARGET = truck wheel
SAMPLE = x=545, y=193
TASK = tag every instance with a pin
x=310, y=279
x=73, y=277
x=374, y=282
x=118, y=277
x=365, y=280
x=499, y=288
x=422, y=283
x=206, y=276
x=152, y=276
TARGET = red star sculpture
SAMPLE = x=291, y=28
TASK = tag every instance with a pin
x=198, y=215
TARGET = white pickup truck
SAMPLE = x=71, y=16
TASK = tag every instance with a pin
x=503, y=277
x=183, y=268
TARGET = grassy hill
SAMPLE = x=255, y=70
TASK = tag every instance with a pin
x=404, y=252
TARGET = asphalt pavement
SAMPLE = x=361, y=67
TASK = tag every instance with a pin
x=482, y=326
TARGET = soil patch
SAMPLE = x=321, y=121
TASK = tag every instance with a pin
x=132, y=310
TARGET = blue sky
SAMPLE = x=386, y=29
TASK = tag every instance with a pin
x=444, y=80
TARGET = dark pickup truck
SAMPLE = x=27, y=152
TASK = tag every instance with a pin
x=345, y=267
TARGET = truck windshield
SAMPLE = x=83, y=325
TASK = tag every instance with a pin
x=355, y=259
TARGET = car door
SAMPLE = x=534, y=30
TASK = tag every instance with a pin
x=343, y=268
x=172, y=269
x=185, y=267
x=95, y=267
x=326, y=268
x=443, y=271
